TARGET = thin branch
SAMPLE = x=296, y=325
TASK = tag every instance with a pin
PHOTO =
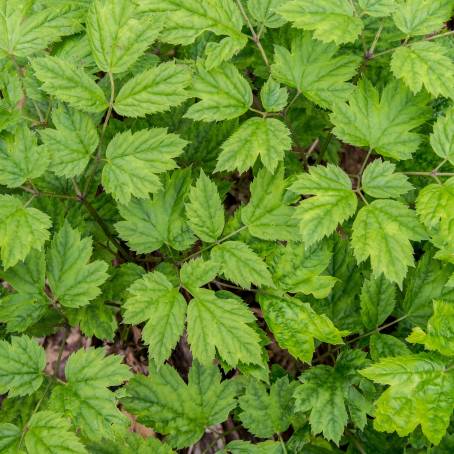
x=371, y=51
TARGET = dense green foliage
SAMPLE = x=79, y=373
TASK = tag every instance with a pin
x=246, y=207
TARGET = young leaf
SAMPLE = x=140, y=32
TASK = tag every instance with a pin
x=224, y=325
x=135, y=159
x=22, y=159
x=154, y=300
x=265, y=12
x=331, y=20
x=21, y=366
x=197, y=273
x=224, y=94
x=378, y=8
x=21, y=230
x=118, y=35
x=265, y=414
x=267, y=137
x=427, y=65
x=204, y=210
x=73, y=280
x=381, y=123
x=420, y=393
x=183, y=411
x=69, y=83
x=313, y=69
x=241, y=265
x=71, y=144
x=334, y=201
x=442, y=139
x=380, y=181
x=382, y=231
x=155, y=90
x=295, y=325
x=273, y=96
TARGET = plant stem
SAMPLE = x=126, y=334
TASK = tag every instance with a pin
x=429, y=174
x=363, y=165
x=371, y=51
x=284, y=448
x=376, y=330
x=290, y=104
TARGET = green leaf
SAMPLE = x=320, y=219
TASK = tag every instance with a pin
x=425, y=64
x=71, y=144
x=327, y=392
x=420, y=393
x=154, y=300
x=378, y=297
x=73, y=280
x=382, y=123
x=295, y=325
x=155, y=90
x=380, y=181
x=22, y=363
x=265, y=12
x=69, y=83
x=421, y=17
x=382, y=231
x=9, y=437
x=21, y=230
x=135, y=159
x=85, y=398
x=22, y=159
x=331, y=20
x=246, y=447
x=265, y=414
x=183, y=411
x=313, y=68
x=204, y=210
x=197, y=273
x=267, y=215
x=118, y=35
x=273, y=96
x=49, y=432
x=378, y=8
x=384, y=345
x=440, y=330
x=149, y=224
x=267, y=137
x=334, y=201
x=442, y=139
x=241, y=265
x=224, y=94
x=225, y=325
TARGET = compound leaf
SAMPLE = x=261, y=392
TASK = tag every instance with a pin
x=442, y=138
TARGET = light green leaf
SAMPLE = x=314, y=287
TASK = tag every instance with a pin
x=442, y=139
x=378, y=297
x=267, y=215
x=50, y=433
x=183, y=411
x=73, y=280
x=224, y=94
x=382, y=123
x=22, y=363
x=331, y=20
x=21, y=159
x=295, y=325
x=69, y=83
x=118, y=35
x=155, y=90
x=154, y=300
x=265, y=12
x=380, y=181
x=382, y=231
x=273, y=96
x=267, y=137
x=427, y=65
x=440, y=330
x=135, y=159
x=265, y=414
x=9, y=437
x=71, y=144
x=224, y=325
x=197, y=273
x=241, y=265
x=334, y=201
x=327, y=392
x=421, y=17
x=378, y=8
x=420, y=393
x=313, y=68
x=149, y=224
x=21, y=230
x=204, y=210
